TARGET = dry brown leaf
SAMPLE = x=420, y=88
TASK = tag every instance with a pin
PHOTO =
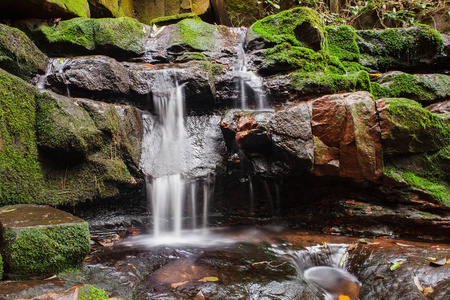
x=175, y=285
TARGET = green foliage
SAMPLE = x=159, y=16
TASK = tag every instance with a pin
x=45, y=250
x=18, y=54
x=91, y=293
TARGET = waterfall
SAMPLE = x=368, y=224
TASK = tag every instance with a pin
x=179, y=155
x=248, y=79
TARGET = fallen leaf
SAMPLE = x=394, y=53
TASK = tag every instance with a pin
x=440, y=262
x=378, y=277
x=352, y=247
x=417, y=283
x=175, y=285
x=361, y=241
x=403, y=245
x=8, y=210
x=143, y=29
x=431, y=258
x=344, y=257
x=448, y=261
x=428, y=290
x=344, y=297
x=209, y=279
x=395, y=266
x=375, y=74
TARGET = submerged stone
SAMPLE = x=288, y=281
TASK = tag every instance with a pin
x=18, y=54
x=41, y=240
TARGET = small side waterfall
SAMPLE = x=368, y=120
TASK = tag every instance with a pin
x=248, y=79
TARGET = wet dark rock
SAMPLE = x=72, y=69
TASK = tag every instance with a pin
x=439, y=108
x=94, y=76
x=60, y=241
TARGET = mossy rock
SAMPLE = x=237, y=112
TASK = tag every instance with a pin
x=40, y=240
x=111, y=8
x=44, y=9
x=320, y=83
x=341, y=42
x=243, y=13
x=83, y=149
x=399, y=48
x=20, y=173
x=407, y=128
x=121, y=37
x=301, y=26
x=420, y=87
x=89, y=292
x=196, y=35
x=18, y=54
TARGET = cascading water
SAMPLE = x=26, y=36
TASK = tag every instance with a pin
x=248, y=78
x=178, y=156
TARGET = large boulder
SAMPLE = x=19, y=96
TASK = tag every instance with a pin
x=413, y=48
x=120, y=38
x=300, y=26
x=18, y=54
x=46, y=9
x=111, y=9
x=41, y=240
x=346, y=136
x=90, y=76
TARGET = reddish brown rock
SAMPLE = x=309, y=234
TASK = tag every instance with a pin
x=346, y=136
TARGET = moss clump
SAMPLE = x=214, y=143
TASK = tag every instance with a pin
x=342, y=43
x=409, y=128
x=399, y=48
x=197, y=35
x=45, y=250
x=327, y=82
x=18, y=54
x=115, y=37
x=300, y=26
x=417, y=87
x=187, y=56
x=20, y=173
x=88, y=292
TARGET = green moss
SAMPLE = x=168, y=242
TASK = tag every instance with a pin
x=198, y=35
x=20, y=173
x=77, y=7
x=188, y=56
x=45, y=250
x=417, y=87
x=89, y=292
x=282, y=27
x=243, y=13
x=121, y=36
x=342, y=43
x=18, y=54
x=308, y=83
x=436, y=187
x=399, y=48
x=288, y=57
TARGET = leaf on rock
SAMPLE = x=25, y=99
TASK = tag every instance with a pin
x=395, y=266
x=212, y=279
x=175, y=285
x=439, y=263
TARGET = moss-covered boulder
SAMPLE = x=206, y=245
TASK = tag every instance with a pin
x=300, y=27
x=18, y=54
x=121, y=37
x=45, y=9
x=20, y=173
x=420, y=87
x=56, y=150
x=408, y=128
x=413, y=48
x=41, y=240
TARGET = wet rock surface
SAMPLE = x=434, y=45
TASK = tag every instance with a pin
x=262, y=264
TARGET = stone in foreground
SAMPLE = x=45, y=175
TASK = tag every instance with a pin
x=41, y=240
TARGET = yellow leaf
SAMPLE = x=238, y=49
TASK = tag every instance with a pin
x=344, y=297
x=395, y=266
x=209, y=279
x=8, y=210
